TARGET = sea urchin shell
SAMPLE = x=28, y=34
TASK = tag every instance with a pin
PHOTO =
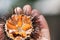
x=22, y=25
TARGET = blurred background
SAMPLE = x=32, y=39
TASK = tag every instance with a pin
x=49, y=8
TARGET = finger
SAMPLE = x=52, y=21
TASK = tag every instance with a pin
x=43, y=22
x=35, y=13
x=44, y=28
x=1, y=32
x=27, y=9
x=2, y=38
x=18, y=10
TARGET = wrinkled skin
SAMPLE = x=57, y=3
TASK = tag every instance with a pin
x=1, y=30
x=34, y=13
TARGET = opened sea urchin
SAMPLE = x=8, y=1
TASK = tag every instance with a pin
x=22, y=26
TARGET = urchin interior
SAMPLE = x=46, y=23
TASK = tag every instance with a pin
x=19, y=27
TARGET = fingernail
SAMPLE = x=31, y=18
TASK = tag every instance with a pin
x=18, y=10
x=35, y=13
x=1, y=25
x=27, y=9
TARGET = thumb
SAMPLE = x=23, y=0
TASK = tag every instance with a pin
x=44, y=28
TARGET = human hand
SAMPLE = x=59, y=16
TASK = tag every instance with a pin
x=43, y=24
x=44, y=30
x=2, y=35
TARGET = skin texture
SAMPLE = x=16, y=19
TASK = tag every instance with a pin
x=45, y=35
x=2, y=35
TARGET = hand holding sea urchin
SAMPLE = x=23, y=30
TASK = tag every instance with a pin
x=23, y=24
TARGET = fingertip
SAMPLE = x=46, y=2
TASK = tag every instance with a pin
x=27, y=9
x=18, y=10
x=1, y=25
x=35, y=13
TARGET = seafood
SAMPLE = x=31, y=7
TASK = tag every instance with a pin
x=23, y=24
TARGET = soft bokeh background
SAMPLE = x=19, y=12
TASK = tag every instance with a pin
x=49, y=8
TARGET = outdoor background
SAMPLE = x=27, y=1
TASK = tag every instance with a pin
x=49, y=8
